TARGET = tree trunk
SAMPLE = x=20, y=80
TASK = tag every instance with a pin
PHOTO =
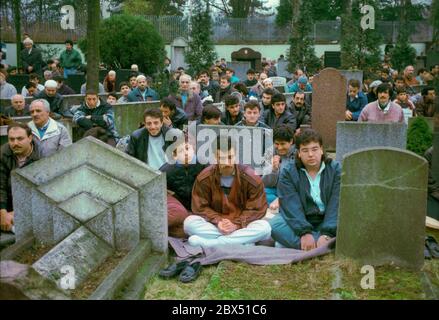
x=17, y=22
x=93, y=56
x=296, y=4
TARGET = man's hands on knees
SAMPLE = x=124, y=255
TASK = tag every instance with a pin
x=323, y=240
x=226, y=226
x=6, y=220
x=307, y=242
x=275, y=204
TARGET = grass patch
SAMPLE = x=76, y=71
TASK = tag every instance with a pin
x=308, y=280
x=173, y=289
x=311, y=279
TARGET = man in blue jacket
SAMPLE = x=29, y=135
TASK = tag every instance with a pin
x=356, y=101
x=308, y=191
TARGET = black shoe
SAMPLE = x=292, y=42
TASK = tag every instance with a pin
x=432, y=246
x=173, y=269
x=191, y=272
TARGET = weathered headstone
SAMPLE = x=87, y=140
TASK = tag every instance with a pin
x=352, y=135
x=383, y=201
x=88, y=201
x=254, y=145
x=357, y=74
x=328, y=104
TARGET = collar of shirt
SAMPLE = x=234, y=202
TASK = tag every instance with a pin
x=322, y=167
x=386, y=109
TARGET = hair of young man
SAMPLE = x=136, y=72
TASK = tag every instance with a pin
x=298, y=92
x=123, y=83
x=112, y=94
x=283, y=133
x=400, y=78
x=305, y=137
x=422, y=70
x=30, y=85
x=268, y=91
x=252, y=105
x=424, y=91
x=384, y=87
x=224, y=77
x=203, y=72
x=278, y=97
x=230, y=100
x=354, y=83
x=230, y=70
x=401, y=90
x=20, y=125
x=241, y=88
x=153, y=113
x=69, y=41
x=91, y=92
x=250, y=71
x=210, y=112
x=33, y=76
x=168, y=103
x=223, y=141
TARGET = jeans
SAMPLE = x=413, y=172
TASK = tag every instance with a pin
x=68, y=71
x=282, y=233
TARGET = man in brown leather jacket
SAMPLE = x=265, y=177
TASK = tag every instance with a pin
x=228, y=201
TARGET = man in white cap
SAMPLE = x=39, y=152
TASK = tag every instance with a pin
x=53, y=97
x=50, y=136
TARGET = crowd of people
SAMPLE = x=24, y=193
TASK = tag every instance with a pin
x=227, y=202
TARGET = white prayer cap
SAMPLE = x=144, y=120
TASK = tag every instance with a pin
x=51, y=84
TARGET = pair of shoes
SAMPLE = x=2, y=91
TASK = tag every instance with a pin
x=432, y=246
x=173, y=269
x=191, y=272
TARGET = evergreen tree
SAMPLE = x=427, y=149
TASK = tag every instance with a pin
x=403, y=54
x=201, y=52
x=301, y=53
x=360, y=49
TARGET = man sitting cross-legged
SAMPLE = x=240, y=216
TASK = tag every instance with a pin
x=308, y=191
x=228, y=201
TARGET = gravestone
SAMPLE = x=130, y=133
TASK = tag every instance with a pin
x=358, y=75
x=128, y=116
x=240, y=68
x=75, y=81
x=328, y=104
x=352, y=135
x=383, y=201
x=88, y=201
x=254, y=145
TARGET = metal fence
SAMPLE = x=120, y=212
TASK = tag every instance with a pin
x=225, y=30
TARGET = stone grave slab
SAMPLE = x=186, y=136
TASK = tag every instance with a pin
x=254, y=145
x=328, y=104
x=383, y=200
x=352, y=135
x=82, y=251
x=89, y=201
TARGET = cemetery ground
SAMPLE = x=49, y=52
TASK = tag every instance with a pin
x=319, y=278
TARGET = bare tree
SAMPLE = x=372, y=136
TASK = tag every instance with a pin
x=93, y=56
